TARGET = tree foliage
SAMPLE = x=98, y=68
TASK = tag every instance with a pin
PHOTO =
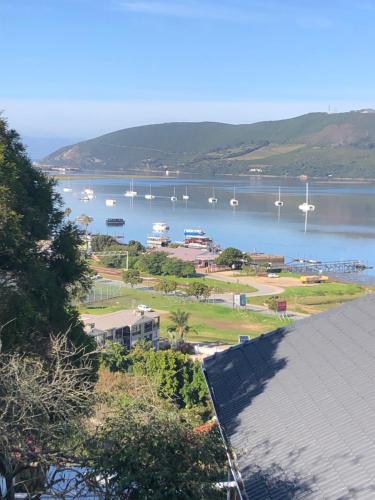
x=149, y=452
x=177, y=267
x=175, y=375
x=104, y=242
x=179, y=329
x=231, y=257
x=101, y=242
x=199, y=290
x=166, y=286
x=41, y=265
x=131, y=277
x=272, y=302
x=158, y=264
x=152, y=262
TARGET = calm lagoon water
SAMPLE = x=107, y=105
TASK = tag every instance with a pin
x=342, y=226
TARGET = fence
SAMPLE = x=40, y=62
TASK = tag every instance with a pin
x=100, y=292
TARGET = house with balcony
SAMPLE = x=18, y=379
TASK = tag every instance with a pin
x=125, y=327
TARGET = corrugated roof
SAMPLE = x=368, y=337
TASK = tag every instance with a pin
x=298, y=406
x=188, y=254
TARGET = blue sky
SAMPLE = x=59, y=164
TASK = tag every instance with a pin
x=72, y=69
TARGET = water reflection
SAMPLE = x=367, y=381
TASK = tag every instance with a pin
x=341, y=227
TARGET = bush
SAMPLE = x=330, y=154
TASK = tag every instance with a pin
x=177, y=267
x=152, y=262
x=101, y=242
x=158, y=264
x=199, y=290
x=272, y=302
x=176, y=376
x=166, y=286
x=131, y=277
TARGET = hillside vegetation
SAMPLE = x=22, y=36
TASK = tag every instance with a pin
x=316, y=144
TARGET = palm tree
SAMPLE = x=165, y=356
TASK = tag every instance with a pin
x=86, y=221
x=180, y=328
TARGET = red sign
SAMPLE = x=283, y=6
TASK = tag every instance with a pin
x=281, y=306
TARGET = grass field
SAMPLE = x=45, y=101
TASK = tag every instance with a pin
x=311, y=299
x=212, y=322
x=216, y=285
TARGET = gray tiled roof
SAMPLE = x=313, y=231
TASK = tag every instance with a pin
x=298, y=406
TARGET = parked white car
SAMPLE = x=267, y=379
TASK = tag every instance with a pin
x=144, y=308
x=272, y=275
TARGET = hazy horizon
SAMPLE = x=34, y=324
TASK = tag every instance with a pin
x=76, y=69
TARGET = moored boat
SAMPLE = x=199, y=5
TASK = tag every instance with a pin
x=160, y=227
x=158, y=241
x=115, y=221
x=131, y=193
x=194, y=232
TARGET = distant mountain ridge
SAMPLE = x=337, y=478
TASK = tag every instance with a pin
x=315, y=144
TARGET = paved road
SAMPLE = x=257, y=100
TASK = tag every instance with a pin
x=226, y=299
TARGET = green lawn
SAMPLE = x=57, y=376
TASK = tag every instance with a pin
x=316, y=298
x=217, y=286
x=212, y=322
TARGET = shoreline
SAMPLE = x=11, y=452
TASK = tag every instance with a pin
x=318, y=180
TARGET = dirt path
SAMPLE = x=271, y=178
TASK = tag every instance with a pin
x=263, y=286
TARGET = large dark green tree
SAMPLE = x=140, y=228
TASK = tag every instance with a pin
x=148, y=452
x=231, y=257
x=41, y=265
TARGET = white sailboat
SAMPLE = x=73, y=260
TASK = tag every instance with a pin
x=234, y=202
x=174, y=197
x=306, y=207
x=278, y=202
x=186, y=196
x=131, y=193
x=150, y=196
x=212, y=199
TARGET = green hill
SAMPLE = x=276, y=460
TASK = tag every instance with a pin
x=318, y=144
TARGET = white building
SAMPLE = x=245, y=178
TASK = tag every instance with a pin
x=126, y=327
